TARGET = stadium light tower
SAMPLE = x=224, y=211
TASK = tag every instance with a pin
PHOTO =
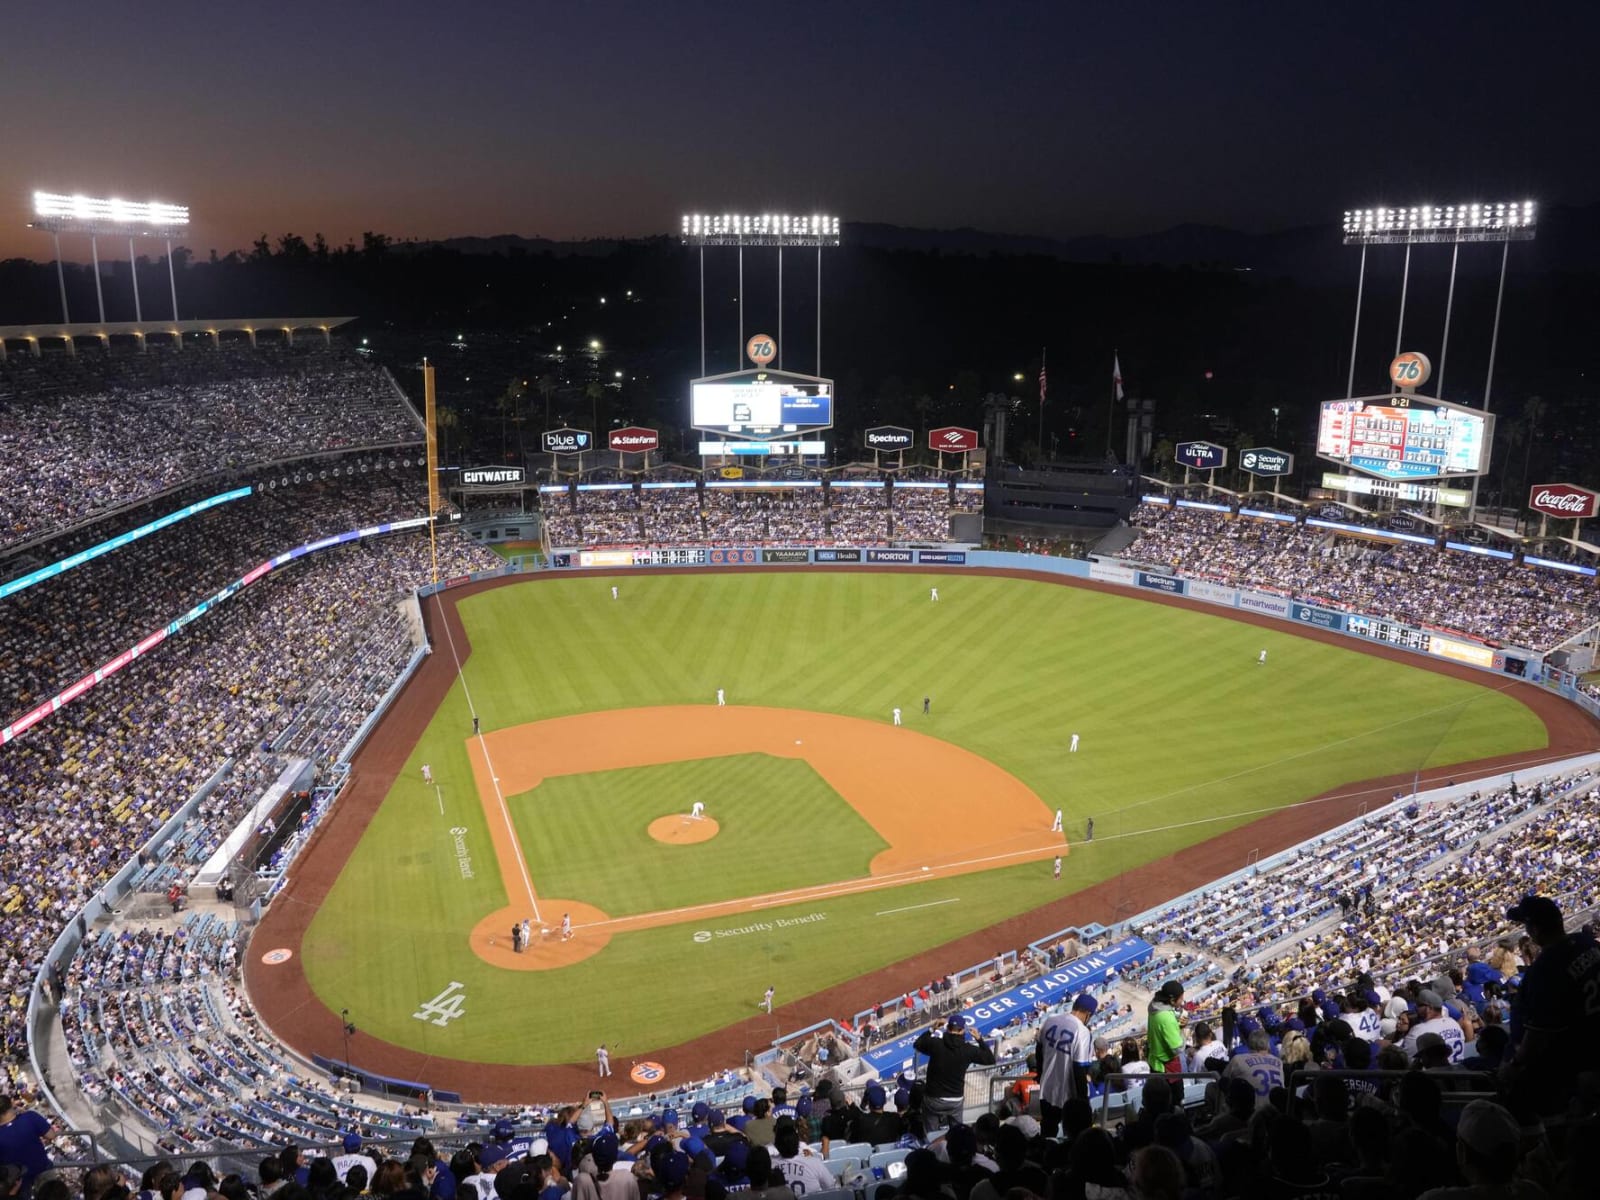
x=759, y=229
x=1435, y=224
x=123, y=218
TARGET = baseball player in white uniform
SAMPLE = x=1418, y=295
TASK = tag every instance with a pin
x=698, y=811
x=1262, y=660
x=613, y=591
x=427, y=773
x=1073, y=749
x=566, y=926
x=897, y=716
x=1058, y=866
x=721, y=699
x=766, y=999
x=933, y=594
x=602, y=1058
x=1057, y=827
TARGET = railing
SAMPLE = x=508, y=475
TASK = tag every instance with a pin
x=1130, y=1099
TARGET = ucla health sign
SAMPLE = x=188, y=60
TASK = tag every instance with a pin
x=1053, y=987
x=1202, y=456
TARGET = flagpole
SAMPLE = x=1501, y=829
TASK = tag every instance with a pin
x=1111, y=408
x=1042, y=354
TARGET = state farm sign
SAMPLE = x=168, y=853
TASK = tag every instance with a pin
x=1563, y=500
x=634, y=440
x=953, y=439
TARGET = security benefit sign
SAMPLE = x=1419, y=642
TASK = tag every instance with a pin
x=1264, y=460
x=1202, y=456
x=568, y=441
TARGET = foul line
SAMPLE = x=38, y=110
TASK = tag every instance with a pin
x=505, y=814
x=437, y=791
x=913, y=907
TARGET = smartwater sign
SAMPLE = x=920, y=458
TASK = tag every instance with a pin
x=1322, y=618
x=1202, y=456
x=1170, y=584
x=1051, y=988
x=1264, y=602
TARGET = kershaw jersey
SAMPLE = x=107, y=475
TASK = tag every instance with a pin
x=1064, y=1042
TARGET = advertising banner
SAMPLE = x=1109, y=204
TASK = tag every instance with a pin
x=836, y=556
x=567, y=441
x=491, y=476
x=1111, y=572
x=1466, y=652
x=1264, y=460
x=634, y=440
x=1213, y=593
x=890, y=556
x=1202, y=456
x=605, y=558
x=731, y=556
x=1264, y=602
x=1322, y=618
x=787, y=555
x=1050, y=988
x=941, y=556
x=890, y=438
x=953, y=439
x=1170, y=584
x=1563, y=500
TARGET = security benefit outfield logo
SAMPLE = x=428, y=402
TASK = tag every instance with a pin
x=703, y=936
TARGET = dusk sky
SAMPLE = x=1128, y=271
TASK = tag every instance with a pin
x=576, y=119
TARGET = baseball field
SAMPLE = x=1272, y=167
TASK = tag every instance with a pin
x=832, y=844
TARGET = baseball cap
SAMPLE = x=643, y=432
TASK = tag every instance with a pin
x=716, y=1117
x=956, y=1023
x=1330, y=1010
x=670, y=1117
x=692, y=1146
x=673, y=1169
x=1535, y=910
x=504, y=1129
x=605, y=1149
x=352, y=1142
x=1319, y=995
x=1488, y=1129
x=1296, y=1024
x=513, y=1177
x=1430, y=998
x=749, y=1104
x=1030, y=1128
x=1085, y=1004
x=1430, y=1041
x=492, y=1154
x=874, y=1096
x=902, y=1098
x=700, y=1111
x=1172, y=987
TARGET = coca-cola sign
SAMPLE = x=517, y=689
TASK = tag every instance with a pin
x=1566, y=500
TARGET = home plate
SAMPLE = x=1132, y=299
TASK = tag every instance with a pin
x=797, y=741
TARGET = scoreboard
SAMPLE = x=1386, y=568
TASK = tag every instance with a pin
x=1405, y=437
x=761, y=407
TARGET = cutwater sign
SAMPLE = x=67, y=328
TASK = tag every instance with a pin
x=491, y=476
x=1202, y=456
x=1264, y=460
x=1053, y=987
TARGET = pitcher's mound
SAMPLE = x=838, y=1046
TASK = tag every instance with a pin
x=680, y=829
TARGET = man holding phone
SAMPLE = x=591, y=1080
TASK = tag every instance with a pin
x=949, y=1056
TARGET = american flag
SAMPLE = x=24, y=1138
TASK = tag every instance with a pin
x=1116, y=374
x=1043, y=387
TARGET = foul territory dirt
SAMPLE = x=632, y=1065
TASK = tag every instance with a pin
x=286, y=1002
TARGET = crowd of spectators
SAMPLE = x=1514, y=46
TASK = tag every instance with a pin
x=81, y=434
x=838, y=515
x=1481, y=597
x=290, y=665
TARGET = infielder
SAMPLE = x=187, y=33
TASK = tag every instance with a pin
x=933, y=594
x=1058, y=866
x=766, y=1000
x=1057, y=826
x=1262, y=661
x=566, y=927
x=721, y=700
x=613, y=596
x=427, y=773
x=897, y=716
x=927, y=701
x=698, y=811
x=1073, y=749
x=602, y=1056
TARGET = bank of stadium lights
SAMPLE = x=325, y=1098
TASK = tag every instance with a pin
x=57, y=214
x=760, y=229
x=1428, y=223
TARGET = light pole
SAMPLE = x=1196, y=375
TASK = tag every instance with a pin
x=58, y=214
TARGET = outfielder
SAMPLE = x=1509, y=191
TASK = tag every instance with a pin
x=897, y=716
x=721, y=699
x=602, y=1056
x=766, y=1000
x=1073, y=749
x=613, y=596
x=1262, y=661
x=933, y=594
x=1058, y=866
x=427, y=773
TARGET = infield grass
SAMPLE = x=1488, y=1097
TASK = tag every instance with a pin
x=1183, y=737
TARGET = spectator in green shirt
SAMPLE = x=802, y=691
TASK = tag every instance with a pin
x=1166, y=1038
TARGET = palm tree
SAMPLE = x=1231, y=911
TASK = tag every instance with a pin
x=446, y=419
x=547, y=389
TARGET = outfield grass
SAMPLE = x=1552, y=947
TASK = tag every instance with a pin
x=1183, y=737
